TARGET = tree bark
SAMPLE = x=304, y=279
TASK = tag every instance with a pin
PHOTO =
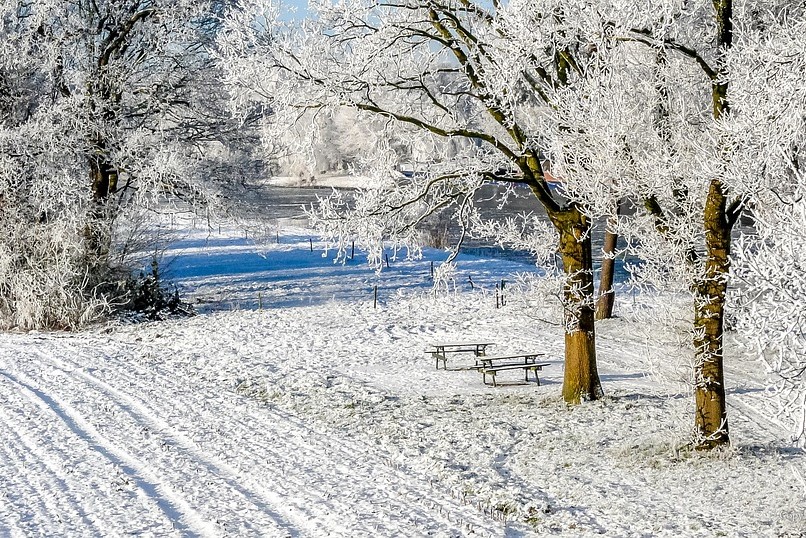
x=103, y=181
x=711, y=420
x=581, y=381
x=607, y=297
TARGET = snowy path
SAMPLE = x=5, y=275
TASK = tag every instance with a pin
x=127, y=448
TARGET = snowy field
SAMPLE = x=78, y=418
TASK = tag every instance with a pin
x=292, y=407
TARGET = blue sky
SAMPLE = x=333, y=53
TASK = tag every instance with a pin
x=294, y=9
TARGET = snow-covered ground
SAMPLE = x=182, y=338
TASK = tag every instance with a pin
x=291, y=406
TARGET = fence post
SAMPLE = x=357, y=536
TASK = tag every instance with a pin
x=311, y=242
x=470, y=279
x=503, y=283
x=352, y=251
x=259, y=300
x=375, y=301
x=387, y=260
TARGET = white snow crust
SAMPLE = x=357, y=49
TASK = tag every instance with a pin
x=291, y=407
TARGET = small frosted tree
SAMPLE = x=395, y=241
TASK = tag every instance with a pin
x=770, y=269
x=109, y=108
x=770, y=136
x=466, y=87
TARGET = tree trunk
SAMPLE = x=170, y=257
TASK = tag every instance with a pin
x=103, y=179
x=711, y=421
x=711, y=418
x=581, y=381
x=607, y=297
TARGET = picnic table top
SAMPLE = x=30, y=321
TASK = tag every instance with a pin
x=511, y=366
x=525, y=354
x=461, y=344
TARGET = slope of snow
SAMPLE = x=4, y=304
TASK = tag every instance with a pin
x=320, y=415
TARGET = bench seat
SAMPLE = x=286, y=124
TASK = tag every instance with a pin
x=492, y=370
x=513, y=358
x=440, y=351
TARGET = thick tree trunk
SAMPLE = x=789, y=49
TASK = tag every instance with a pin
x=103, y=180
x=607, y=297
x=711, y=418
x=581, y=381
x=711, y=421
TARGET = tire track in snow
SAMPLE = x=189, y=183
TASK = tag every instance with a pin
x=309, y=446
x=186, y=520
x=265, y=502
x=217, y=467
x=301, y=456
x=25, y=505
x=21, y=452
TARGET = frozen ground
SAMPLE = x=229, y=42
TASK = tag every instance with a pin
x=319, y=415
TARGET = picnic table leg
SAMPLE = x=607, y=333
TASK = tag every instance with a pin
x=438, y=356
x=484, y=377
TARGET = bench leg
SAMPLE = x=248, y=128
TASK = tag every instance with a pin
x=484, y=378
x=537, y=378
x=534, y=371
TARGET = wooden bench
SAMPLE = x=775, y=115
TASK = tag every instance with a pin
x=514, y=358
x=440, y=351
x=529, y=364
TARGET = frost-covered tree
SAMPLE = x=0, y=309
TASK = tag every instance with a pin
x=108, y=107
x=326, y=144
x=771, y=269
x=770, y=134
x=468, y=88
x=672, y=119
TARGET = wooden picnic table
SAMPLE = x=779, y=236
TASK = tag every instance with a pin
x=490, y=366
x=440, y=350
